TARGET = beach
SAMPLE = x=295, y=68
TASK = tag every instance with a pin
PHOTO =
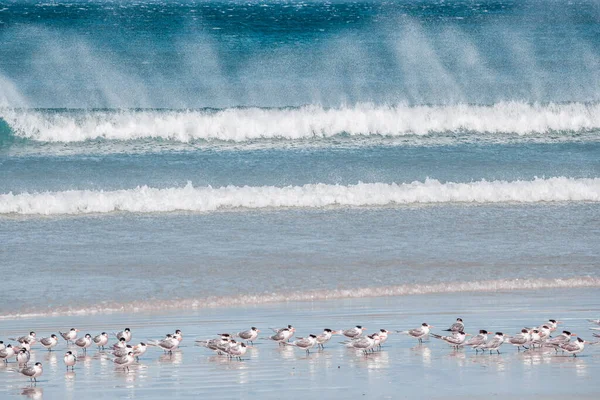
x=213, y=165
x=402, y=369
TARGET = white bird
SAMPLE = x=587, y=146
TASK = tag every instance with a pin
x=122, y=351
x=456, y=340
x=282, y=336
x=126, y=334
x=33, y=372
x=561, y=339
x=121, y=344
x=383, y=337
x=70, y=360
x=458, y=326
x=494, y=344
x=237, y=350
x=544, y=332
x=84, y=342
x=178, y=335
x=520, y=339
x=353, y=333
x=535, y=338
x=420, y=332
x=125, y=362
x=594, y=321
x=2, y=345
x=553, y=324
x=478, y=340
x=23, y=357
x=168, y=344
x=306, y=343
x=215, y=345
x=139, y=350
x=363, y=344
x=69, y=336
x=25, y=345
x=26, y=338
x=324, y=337
x=573, y=347
x=101, y=340
x=49, y=342
x=250, y=335
x=289, y=327
x=7, y=353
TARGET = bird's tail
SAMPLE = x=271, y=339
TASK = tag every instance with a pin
x=153, y=343
x=435, y=336
x=405, y=332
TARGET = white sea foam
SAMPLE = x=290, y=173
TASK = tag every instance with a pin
x=206, y=199
x=315, y=295
x=313, y=121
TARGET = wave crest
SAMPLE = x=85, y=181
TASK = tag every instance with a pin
x=316, y=295
x=245, y=124
x=206, y=199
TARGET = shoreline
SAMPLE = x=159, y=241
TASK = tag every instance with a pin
x=216, y=302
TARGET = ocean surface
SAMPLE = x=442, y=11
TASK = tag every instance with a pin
x=166, y=155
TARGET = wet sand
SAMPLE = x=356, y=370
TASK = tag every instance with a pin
x=403, y=369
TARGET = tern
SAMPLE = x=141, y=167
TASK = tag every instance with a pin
x=49, y=342
x=520, y=339
x=27, y=338
x=458, y=326
x=277, y=330
x=553, y=324
x=2, y=345
x=168, y=344
x=84, y=342
x=594, y=321
x=121, y=344
x=420, y=332
x=70, y=336
x=124, y=362
x=573, y=347
x=250, y=335
x=215, y=345
x=494, y=344
x=7, y=353
x=383, y=337
x=306, y=343
x=122, y=352
x=353, y=333
x=563, y=338
x=324, y=337
x=33, y=372
x=455, y=340
x=139, y=350
x=125, y=333
x=23, y=357
x=237, y=350
x=178, y=335
x=101, y=340
x=282, y=336
x=363, y=344
x=535, y=338
x=478, y=340
x=70, y=360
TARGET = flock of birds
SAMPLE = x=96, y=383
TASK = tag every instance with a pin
x=225, y=344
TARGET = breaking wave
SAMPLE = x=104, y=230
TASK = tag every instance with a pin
x=207, y=199
x=312, y=121
x=315, y=295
